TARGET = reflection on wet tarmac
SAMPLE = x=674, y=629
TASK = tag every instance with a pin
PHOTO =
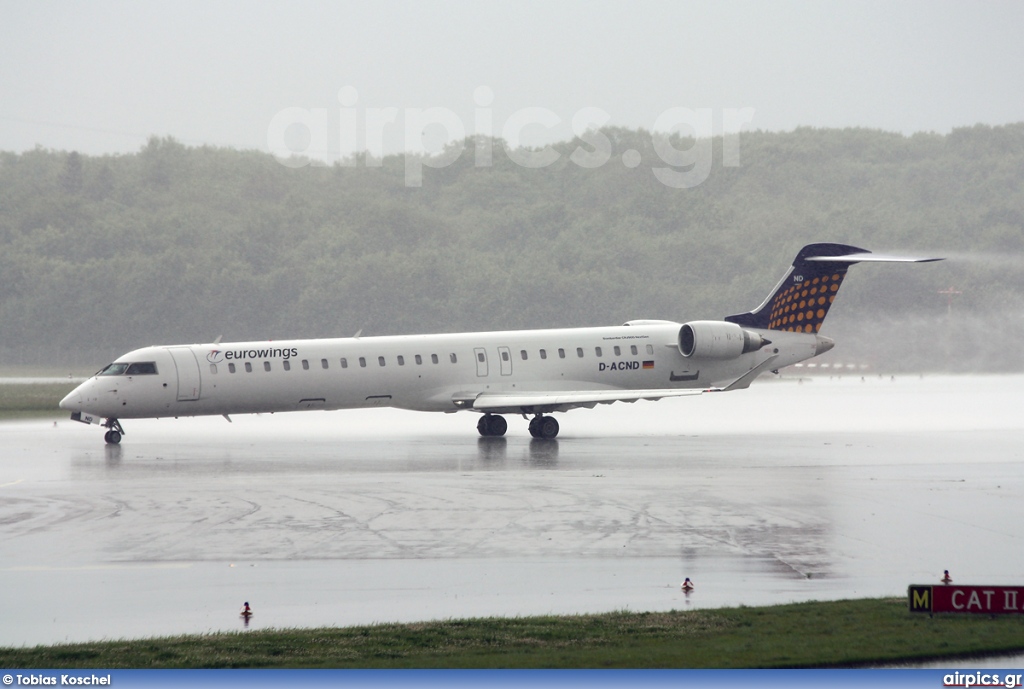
x=113, y=455
x=777, y=494
x=492, y=450
x=540, y=453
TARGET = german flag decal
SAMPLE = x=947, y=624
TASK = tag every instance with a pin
x=648, y=364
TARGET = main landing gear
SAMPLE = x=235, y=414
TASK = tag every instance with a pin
x=543, y=427
x=492, y=426
x=113, y=436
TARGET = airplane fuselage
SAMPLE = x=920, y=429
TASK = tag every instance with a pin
x=419, y=372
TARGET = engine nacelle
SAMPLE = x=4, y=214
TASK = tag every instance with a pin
x=717, y=340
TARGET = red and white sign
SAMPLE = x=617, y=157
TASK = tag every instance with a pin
x=985, y=600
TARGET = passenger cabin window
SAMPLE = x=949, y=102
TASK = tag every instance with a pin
x=597, y=351
x=266, y=366
x=380, y=360
x=362, y=362
x=419, y=360
x=401, y=360
x=632, y=349
x=579, y=352
x=433, y=358
x=323, y=363
x=287, y=365
x=523, y=354
x=248, y=367
x=650, y=349
x=561, y=353
x=305, y=364
x=213, y=368
x=454, y=359
x=543, y=354
x=618, y=350
x=344, y=362
x=231, y=368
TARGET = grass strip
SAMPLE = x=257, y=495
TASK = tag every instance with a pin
x=19, y=400
x=816, y=634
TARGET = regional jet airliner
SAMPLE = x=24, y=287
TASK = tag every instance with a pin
x=532, y=373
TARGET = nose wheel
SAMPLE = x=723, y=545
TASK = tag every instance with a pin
x=113, y=435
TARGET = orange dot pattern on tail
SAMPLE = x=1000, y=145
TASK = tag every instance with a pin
x=801, y=300
x=802, y=306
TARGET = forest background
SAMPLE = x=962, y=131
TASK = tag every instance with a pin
x=177, y=244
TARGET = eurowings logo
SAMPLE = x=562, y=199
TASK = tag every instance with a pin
x=217, y=355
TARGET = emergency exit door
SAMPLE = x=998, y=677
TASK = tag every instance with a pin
x=481, y=361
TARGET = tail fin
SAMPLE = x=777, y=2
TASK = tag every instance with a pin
x=802, y=298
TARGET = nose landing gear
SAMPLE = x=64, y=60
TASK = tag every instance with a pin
x=113, y=436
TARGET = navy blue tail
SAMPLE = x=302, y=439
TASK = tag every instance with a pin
x=802, y=298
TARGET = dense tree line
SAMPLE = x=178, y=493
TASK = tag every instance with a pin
x=101, y=254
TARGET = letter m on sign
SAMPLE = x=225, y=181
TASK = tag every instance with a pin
x=920, y=598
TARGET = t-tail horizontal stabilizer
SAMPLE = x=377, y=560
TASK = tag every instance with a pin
x=801, y=300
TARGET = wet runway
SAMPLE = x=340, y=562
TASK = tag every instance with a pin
x=788, y=491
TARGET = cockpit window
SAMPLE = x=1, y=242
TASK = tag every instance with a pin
x=113, y=370
x=147, y=368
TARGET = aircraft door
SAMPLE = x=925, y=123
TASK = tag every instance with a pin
x=505, y=355
x=188, y=373
x=481, y=361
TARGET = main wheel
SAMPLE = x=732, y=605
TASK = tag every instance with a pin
x=548, y=428
x=491, y=426
x=544, y=427
x=498, y=426
x=112, y=437
x=535, y=426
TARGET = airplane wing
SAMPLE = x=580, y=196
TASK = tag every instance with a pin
x=543, y=402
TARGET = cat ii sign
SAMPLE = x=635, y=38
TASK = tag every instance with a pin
x=985, y=600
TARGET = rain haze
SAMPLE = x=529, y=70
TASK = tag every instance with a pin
x=102, y=77
x=139, y=206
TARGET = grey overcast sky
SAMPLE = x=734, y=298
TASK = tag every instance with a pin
x=102, y=76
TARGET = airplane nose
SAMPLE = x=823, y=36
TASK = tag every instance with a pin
x=73, y=402
x=823, y=344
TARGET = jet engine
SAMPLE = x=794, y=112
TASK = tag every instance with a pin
x=717, y=340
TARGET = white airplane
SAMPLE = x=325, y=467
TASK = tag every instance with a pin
x=525, y=372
